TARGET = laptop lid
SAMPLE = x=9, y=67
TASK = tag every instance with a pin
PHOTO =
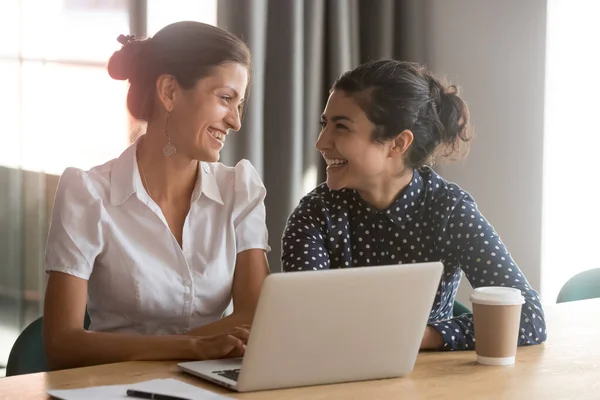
x=340, y=325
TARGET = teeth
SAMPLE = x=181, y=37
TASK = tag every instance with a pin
x=335, y=161
x=218, y=135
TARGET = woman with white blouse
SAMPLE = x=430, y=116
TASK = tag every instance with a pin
x=159, y=241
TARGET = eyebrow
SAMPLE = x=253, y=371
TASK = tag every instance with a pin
x=337, y=118
x=235, y=93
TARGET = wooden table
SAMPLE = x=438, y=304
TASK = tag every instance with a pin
x=566, y=366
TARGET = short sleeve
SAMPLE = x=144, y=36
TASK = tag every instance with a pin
x=249, y=215
x=75, y=235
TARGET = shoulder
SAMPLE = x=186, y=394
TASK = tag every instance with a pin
x=243, y=171
x=240, y=183
x=449, y=200
x=443, y=194
x=321, y=202
x=84, y=186
x=247, y=177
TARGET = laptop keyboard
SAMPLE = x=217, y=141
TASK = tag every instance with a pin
x=232, y=374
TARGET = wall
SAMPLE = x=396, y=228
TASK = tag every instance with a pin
x=495, y=50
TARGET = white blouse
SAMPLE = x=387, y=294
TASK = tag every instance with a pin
x=107, y=230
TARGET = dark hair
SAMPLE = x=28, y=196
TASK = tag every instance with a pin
x=187, y=50
x=397, y=96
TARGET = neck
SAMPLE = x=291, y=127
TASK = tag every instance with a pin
x=382, y=194
x=166, y=179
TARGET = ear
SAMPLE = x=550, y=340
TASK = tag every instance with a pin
x=401, y=143
x=166, y=89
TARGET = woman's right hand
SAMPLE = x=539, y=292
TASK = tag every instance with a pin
x=226, y=345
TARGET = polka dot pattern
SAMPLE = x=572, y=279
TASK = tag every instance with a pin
x=431, y=220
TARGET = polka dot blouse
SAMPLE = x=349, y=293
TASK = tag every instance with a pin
x=431, y=220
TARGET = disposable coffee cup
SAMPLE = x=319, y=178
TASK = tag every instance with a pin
x=497, y=318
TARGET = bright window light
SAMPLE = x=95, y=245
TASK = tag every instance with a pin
x=60, y=106
x=162, y=13
x=570, y=220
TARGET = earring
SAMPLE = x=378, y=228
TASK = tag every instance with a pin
x=168, y=150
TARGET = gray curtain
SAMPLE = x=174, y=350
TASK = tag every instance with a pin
x=299, y=48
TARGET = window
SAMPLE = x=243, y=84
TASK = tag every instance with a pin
x=59, y=108
x=78, y=119
x=571, y=142
x=162, y=13
x=62, y=107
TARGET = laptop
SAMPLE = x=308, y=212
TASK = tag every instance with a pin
x=331, y=326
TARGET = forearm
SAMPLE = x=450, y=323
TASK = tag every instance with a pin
x=223, y=325
x=533, y=323
x=83, y=348
x=456, y=333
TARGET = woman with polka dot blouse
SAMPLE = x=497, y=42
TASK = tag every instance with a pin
x=383, y=124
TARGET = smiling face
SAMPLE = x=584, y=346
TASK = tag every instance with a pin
x=354, y=159
x=202, y=116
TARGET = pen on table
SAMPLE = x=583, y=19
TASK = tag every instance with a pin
x=156, y=396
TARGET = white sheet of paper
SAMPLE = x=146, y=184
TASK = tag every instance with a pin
x=172, y=387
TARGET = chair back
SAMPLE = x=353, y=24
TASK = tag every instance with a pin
x=28, y=354
x=585, y=285
x=459, y=309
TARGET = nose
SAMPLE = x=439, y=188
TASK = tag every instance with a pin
x=324, y=140
x=233, y=119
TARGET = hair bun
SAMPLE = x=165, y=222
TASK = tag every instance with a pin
x=123, y=63
x=125, y=39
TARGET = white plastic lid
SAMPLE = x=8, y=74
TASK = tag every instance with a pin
x=497, y=296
